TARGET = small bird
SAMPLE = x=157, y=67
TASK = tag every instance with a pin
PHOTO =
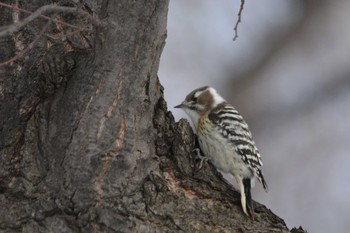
x=225, y=139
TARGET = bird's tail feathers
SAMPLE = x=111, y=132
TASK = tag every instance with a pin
x=262, y=180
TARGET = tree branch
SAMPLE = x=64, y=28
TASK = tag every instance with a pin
x=41, y=16
x=47, y=9
x=30, y=46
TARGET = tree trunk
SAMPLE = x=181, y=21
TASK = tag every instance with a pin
x=87, y=143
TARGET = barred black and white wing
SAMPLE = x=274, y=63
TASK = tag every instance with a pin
x=232, y=127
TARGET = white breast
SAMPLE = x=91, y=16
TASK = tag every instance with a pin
x=222, y=154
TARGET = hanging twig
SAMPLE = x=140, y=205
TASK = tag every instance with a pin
x=238, y=20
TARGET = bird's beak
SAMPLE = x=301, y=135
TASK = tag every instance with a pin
x=180, y=106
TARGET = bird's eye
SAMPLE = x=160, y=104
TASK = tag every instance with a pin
x=193, y=105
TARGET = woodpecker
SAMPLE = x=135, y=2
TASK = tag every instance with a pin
x=225, y=140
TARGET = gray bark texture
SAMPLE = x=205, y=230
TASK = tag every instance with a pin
x=87, y=143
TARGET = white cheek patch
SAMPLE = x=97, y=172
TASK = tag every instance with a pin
x=199, y=107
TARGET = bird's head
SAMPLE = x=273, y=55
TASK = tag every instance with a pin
x=200, y=101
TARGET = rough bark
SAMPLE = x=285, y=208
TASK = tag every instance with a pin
x=87, y=143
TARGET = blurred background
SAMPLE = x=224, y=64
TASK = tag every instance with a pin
x=288, y=74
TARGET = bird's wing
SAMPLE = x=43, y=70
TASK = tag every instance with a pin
x=232, y=126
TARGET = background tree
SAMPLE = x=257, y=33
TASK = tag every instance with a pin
x=87, y=143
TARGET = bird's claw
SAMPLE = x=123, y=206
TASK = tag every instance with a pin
x=201, y=157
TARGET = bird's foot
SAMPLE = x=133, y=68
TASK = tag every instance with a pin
x=202, y=159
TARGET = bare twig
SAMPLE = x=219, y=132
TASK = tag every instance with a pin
x=30, y=46
x=47, y=9
x=238, y=20
x=41, y=16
